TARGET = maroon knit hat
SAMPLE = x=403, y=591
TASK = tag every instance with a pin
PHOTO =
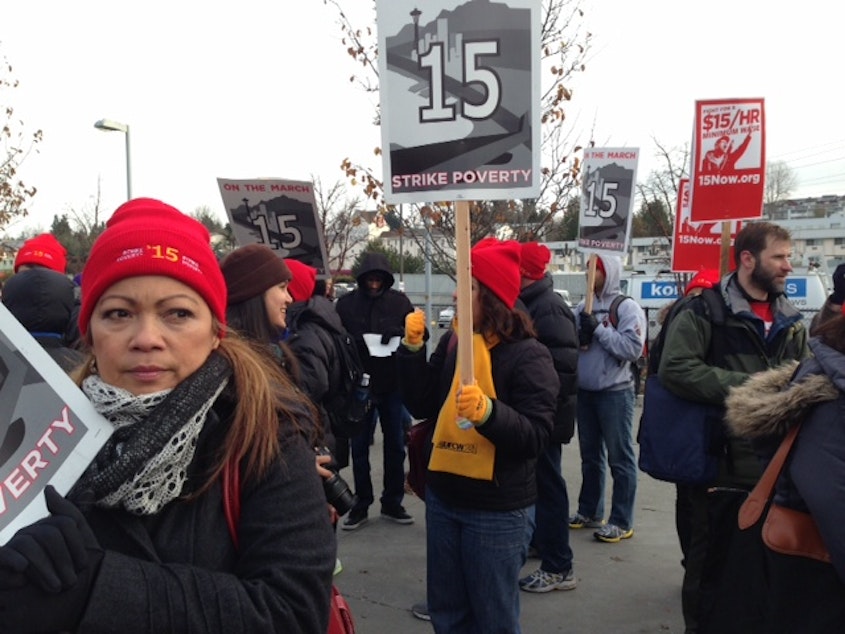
x=304, y=280
x=252, y=269
x=495, y=263
x=534, y=258
x=148, y=237
x=42, y=250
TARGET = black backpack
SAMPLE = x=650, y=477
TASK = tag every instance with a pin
x=349, y=404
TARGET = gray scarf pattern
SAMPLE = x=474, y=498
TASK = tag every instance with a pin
x=144, y=464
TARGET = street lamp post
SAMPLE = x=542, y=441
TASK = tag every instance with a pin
x=115, y=126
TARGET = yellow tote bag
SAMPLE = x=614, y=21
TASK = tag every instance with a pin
x=465, y=452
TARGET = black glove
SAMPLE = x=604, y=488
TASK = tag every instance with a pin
x=56, y=552
x=61, y=558
x=587, y=324
x=391, y=333
x=838, y=295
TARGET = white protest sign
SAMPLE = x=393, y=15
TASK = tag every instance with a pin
x=279, y=213
x=607, y=199
x=460, y=99
x=49, y=431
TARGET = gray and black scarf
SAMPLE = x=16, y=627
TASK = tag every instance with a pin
x=144, y=464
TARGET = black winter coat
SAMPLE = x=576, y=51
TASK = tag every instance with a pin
x=381, y=315
x=555, y=326
x=178, y=571
x=519, y=426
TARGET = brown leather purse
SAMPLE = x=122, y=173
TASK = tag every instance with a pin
x=784, y=530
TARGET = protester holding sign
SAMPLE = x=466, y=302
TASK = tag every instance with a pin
x=480, y=482
x=142, y=544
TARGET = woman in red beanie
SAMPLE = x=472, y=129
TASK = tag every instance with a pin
x=202, y=511
x=480, y=483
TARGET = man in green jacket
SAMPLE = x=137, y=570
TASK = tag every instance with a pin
x=704, y=355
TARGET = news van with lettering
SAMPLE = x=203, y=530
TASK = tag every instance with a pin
x=807, y=290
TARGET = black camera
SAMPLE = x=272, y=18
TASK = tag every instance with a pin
x=337, y=491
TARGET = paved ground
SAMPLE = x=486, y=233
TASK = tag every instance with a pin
x=625, y=588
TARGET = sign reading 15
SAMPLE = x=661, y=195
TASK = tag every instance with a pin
x=473, y=73
x=601, y=203
x=284, y=235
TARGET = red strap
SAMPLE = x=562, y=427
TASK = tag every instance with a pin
x=232, y=498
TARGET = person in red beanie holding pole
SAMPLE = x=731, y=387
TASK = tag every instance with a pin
x=480, y=483
x=203, y=510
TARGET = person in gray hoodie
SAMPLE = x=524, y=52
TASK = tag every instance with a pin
x=605, y=409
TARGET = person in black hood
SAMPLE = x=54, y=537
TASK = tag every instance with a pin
x=375, y=308
x=43, y=301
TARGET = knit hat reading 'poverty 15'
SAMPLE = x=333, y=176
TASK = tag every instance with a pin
x=251, y=270
x=535, y=257
x=304, y=280
x=43, y=250
x=149, y=237
x=495, y=263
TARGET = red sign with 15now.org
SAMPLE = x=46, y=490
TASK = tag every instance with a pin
x=729, y=160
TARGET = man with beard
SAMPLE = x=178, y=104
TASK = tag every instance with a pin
x=703, y=357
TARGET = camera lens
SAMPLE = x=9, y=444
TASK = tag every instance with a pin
x=338, y=494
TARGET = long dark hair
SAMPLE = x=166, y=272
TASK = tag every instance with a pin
x=498, y=320
x=249, y=319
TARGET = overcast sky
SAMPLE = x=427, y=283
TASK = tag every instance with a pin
x=261, y=88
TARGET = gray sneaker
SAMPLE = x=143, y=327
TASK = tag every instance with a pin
x=579, y=521
x=420, y=610
x=542, y=581
x=611, y=533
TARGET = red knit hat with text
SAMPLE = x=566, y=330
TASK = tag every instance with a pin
x=304, y=280
x=251, y=270
x=495, y=263
x=534, y=258
x=42, y=250
x=148, y=237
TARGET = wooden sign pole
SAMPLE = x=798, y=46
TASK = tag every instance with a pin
x=464, y=292
x=591, y=282
x=725, y=250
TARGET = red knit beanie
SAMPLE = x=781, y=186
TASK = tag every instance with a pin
x=42, y=250
x=304, y=280
x=149, y=237
x=251, y=270
x=495, y=264
x=705, y=278
x=534, y=259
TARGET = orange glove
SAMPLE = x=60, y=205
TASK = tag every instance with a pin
x=414, y=328
x=473, y=404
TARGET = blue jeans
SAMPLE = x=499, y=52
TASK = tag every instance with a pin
x=390, y=411
x=605, y=420
x=473, y=563
x=551, y=537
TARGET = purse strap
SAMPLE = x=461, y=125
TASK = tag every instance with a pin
x=755, y=503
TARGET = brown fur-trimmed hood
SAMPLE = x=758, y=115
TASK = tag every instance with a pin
x=768, y=403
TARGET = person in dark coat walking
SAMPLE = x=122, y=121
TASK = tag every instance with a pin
x=555, y=326
x=374, y=314
x=153, y=537
x=481, y=478
x=44, y=302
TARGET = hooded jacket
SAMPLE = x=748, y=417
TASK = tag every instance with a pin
x=606, y=363
x=689, y=370
x=44, y=302
x=382, y=315
x=555, y=326
x=766, y=406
